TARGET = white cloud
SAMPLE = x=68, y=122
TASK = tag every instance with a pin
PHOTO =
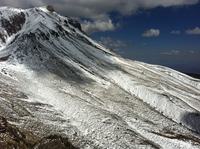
x=195, y=31
x=191, y=51
x=110, y=43
x=172, y=52
x=151, y=33
x=175, y=32
x=98, y=26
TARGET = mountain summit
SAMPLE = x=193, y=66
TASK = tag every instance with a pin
x=61, y=89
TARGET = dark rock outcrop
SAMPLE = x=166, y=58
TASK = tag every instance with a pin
x=50, y=8
x=13, y=25
x=13, y=138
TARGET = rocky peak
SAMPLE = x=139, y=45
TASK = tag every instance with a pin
x=13, y=19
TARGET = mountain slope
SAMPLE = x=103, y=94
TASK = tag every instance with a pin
x=56, y=81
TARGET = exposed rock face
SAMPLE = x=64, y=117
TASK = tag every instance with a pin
x=61, y=89
x=75, y=23
x=50, y=8
x=14, y=24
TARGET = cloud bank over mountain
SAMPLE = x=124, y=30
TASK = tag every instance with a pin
x=98, y=10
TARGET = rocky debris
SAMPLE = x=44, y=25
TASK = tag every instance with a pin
x=8, y=92
x=12, y=137
x=3, y=125
x=54, y=142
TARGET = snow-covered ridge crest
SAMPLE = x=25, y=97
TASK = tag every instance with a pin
x=16, y=21
x=57, y=80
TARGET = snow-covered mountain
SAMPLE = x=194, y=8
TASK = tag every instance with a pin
x=61, y=89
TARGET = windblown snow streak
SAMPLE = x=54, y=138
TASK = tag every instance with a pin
x=58, y=86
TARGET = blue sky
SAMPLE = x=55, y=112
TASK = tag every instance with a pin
x=174, y=47
x=163, y=32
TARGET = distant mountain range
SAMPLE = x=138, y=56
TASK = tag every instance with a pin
x=61, y=89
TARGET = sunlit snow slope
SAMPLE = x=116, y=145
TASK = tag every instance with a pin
x=55, y=80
